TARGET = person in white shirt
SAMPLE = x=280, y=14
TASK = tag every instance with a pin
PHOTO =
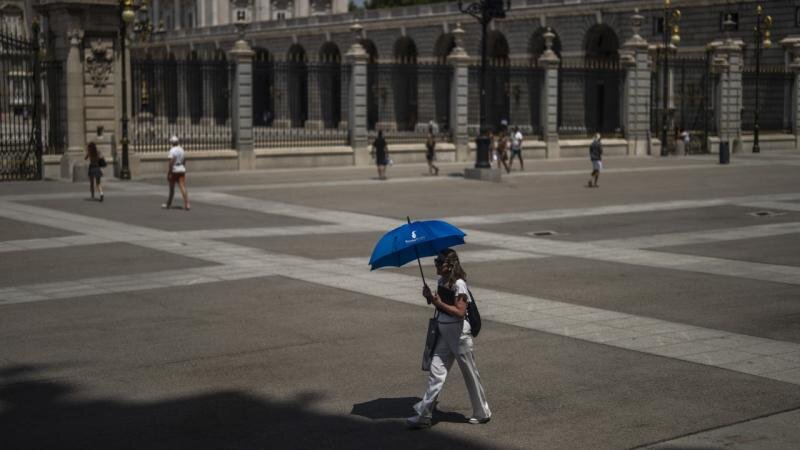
x=176, y=173
x=516, y=149
x=454, y=343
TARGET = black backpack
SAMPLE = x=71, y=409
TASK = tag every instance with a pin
x=473, y=316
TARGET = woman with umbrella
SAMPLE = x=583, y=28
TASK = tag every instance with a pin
x=454, y=342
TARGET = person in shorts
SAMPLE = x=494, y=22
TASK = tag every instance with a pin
x=516, y=149
x=596, y=155
x=95, y=171
x=176, y=173
x=430, y=152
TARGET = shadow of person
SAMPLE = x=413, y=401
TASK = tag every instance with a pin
x=48, y=413
x=400, y=408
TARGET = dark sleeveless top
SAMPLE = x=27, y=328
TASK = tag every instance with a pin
x=447, y=296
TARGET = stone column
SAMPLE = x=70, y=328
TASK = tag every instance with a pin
x=635, y=58
x=76, y=123
x=727, y=62
x=357, y=108
x=459, y=86
x=549, y=61
x=242, y=55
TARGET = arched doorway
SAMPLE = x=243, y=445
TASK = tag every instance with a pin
x=195, y=92
x=330, y=84
x=263, y=87
x=603, y=80
x=404, y=84
x=219, y=87
x=297, y=84
x=372, y=82
x=498, y=106
x=442, y=78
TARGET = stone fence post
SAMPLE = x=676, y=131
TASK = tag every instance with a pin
x=635, y=58
x=76, y=123
x=242, y=55
x=459, y=88
x=357, y=111
x=727, y=62
x=549, y=61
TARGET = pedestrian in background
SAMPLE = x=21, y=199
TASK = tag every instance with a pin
x=381, y=154
x=430, y=153
x=516, y=149
x=176, y=173
x=596, y=155
x=502, y=150
x=96, y=162
x=454, y=342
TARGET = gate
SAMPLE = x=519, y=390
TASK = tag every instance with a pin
x=20, y=104
x=692, y=101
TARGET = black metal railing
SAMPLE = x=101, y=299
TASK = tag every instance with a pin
x=300, y=103
x=407, y=99
x=774, y=98
x=20, y=106
x=190, y=99
x=590, y=97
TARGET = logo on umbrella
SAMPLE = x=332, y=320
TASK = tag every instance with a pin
x=414, y=237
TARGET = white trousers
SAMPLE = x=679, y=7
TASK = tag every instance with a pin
x=454, y=344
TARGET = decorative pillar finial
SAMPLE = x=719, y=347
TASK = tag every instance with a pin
x=636, y=22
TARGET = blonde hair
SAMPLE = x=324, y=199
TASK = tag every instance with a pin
x=450, y=257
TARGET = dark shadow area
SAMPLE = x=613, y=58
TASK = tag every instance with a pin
x=456, y=174
x=400, y=408
x=47, y=414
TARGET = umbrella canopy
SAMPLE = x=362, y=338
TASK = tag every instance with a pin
x=414, y=240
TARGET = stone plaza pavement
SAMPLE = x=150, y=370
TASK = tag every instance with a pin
x=661, y=310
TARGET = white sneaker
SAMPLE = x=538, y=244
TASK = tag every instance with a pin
x=477, y=420
x=418, y=422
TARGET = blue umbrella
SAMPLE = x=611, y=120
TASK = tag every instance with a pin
x=414, y=240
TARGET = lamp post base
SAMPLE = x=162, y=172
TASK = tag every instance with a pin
x=483, y=174
x=483, y=144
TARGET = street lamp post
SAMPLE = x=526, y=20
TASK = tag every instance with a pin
x=484, y=11
x=762, y=36
x=671, y=35
x=126, y=16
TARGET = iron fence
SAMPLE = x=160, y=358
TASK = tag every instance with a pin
x=590, y=97
x=407, y=99
x=774, y=99
x=692, y=100
x=513, y=96
x=20, y=104
x=189, y=99
x=300, y=103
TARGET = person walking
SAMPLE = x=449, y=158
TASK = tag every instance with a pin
x=381, y=154
x=596, y=155
x=516, y=149
x=502, y=150
x=96, y=162
x=686, y=138
x=176, y=173
x=430, y=153
x=454, y=343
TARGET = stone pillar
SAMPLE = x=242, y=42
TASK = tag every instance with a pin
x=76, y=123
x=635, y=58
x=242, y=55
x=549, y=61
x=357, y=108
x=459, y=86
x=727, y=62
x=176, y=13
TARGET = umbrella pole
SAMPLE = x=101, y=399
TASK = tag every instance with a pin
x=418, y=261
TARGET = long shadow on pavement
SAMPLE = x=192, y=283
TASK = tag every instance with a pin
x=38, y=413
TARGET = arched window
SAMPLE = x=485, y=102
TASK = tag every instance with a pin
x=297, y=82
x=330, y=84
x=404, y=84
x=220, y=87
x=603, y=81
x=498, y=105
x=442, y=79
x=263, y=87
x=195, y=93
x=372, y=82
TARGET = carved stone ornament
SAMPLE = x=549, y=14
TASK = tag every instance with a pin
x=100, y=62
